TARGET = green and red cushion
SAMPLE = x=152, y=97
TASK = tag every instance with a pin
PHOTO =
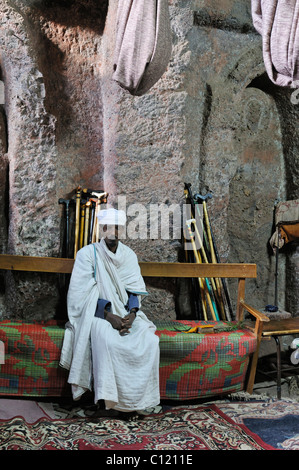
x=197, y=365
x=31, y=361
x=192, y=365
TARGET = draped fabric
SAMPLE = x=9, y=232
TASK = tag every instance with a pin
x=277, y=22
x=143, y=44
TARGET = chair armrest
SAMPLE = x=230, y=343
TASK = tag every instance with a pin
x=259, y=316
x=256, y=313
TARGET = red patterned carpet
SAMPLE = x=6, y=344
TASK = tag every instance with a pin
x=202, y=427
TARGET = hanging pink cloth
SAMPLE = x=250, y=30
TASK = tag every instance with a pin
x=143, y=44
x=277, y=22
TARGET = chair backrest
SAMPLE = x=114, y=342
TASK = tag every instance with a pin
x=148, y=269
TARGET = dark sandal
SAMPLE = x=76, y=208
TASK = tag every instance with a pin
x=129, y=415
x=102, y=413
x=114, y=414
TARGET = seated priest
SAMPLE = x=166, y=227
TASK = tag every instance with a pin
x=110, y=345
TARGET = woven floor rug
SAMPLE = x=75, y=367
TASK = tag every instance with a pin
x=183, y=428
x=275, y=421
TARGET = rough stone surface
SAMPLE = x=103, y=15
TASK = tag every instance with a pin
x=213, y=120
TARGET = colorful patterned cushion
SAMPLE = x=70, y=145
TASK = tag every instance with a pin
x=31, y=362
x=197, y=365
x=192, y=365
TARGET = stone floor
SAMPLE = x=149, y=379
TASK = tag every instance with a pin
x=265, y=381
x=289, y=388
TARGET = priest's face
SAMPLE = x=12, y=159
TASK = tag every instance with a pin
x=111, y=236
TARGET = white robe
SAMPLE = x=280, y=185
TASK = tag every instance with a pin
x=122, y=370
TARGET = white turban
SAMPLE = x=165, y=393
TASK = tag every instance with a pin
x=111, y=217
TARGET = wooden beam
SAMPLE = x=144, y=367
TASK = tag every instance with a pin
x=148, y=269
x=234, y=270
x=36, y=264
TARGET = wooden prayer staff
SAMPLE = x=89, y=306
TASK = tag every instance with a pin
x=77, y=220
x=66, y=202
x=82, y=221
x=92, y=218
x=86, y=223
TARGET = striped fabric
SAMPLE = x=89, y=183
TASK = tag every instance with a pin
x=192, y=365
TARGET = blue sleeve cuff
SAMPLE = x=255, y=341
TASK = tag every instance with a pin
x=133, y=301
x=101, y=305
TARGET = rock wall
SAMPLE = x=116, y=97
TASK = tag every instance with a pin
x=213, y=120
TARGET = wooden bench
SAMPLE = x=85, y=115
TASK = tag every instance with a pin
x=174, y=385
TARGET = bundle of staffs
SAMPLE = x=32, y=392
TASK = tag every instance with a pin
x=209, y=250
x=221, y=283
x=208, y=295
x=197, y=286
x=98, y=198
x=203, y=282
x=87, y=208
x=214, y=282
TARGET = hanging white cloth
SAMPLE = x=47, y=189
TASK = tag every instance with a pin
x=277, y=22
x=143, y=44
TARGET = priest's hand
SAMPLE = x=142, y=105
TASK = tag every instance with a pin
x=127, y=322
x=128, y=319
x=115, y=321
x=121, y=324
